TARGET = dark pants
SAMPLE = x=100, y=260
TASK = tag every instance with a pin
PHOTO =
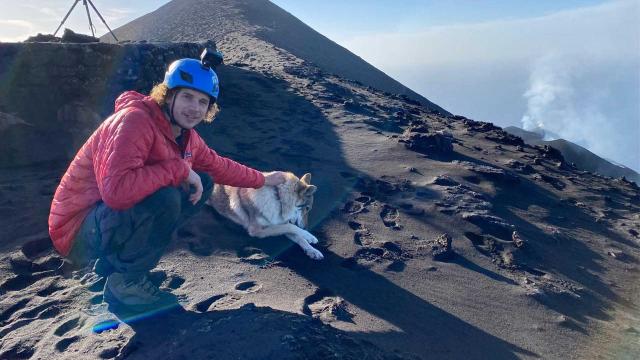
x=132, y=241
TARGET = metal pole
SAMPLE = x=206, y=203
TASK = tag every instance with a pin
x=66, y=16
x=104, y=22
x=84, y=2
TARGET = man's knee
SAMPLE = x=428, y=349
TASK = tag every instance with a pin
x=165, y=203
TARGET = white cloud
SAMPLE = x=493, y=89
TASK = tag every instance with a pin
x=43, y=10
x=15, y=30
x=117, y=16
x=17, y=23
x=602, y=31
x=49, y=12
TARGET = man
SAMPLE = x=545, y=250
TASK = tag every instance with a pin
x=139, y=176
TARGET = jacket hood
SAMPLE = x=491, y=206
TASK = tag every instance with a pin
x=135, y=100
x=129, y=99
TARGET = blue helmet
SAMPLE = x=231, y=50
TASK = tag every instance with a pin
x=190, y=73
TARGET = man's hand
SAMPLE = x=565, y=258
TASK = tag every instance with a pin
x=194, y=182
x=274, y=178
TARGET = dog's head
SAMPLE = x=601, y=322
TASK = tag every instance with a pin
x=303, y=191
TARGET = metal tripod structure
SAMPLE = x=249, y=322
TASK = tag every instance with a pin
x=86, y=4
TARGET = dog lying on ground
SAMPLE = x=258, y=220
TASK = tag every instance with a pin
x=271, y=210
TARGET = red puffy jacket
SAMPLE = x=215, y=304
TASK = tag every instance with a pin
x=130, y=156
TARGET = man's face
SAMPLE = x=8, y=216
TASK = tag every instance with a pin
x=190, y=107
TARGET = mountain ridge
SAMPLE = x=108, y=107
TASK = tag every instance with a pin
x=582, y=157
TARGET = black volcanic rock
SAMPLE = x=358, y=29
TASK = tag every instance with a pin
x=356, y=107
x=550, y=152
x=43, y=38
x=460, y=198
x=417, y=137
x=71, y=37
x=524, y=168
x=444, y=180
x=479, y=126
x=429, y=143
x=491, y=224
x=490, y=172
x=438, y=249
x=418, y=127
x=503, y=137
x=556, y=183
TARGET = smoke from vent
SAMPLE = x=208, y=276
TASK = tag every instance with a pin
x=567, y=98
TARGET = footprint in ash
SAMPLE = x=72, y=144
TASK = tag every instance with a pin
x=248, y=287
x=358, y=205
x=20, y=314
x=220, y=301
x=326, y=306
x=390, y=217
x=362, y=235
x=226, y=300
x=174, y=282
x=253, y=255
x=32, y=264
x=204, y=305
x=364, y=258
x=65, y=327
x=64, y=344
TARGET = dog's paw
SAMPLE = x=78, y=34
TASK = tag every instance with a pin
x=310, y=238
x=314, y=254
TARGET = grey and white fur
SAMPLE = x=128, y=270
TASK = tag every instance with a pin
x=271, y=210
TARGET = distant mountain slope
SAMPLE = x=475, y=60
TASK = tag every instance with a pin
x=227, y=21
x=583, y=158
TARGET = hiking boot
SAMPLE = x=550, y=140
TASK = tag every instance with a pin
x=131, y=290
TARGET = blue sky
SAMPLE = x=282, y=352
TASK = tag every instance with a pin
x=570, y=67
x=337, y=17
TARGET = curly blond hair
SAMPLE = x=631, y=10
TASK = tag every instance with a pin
x=160, y=93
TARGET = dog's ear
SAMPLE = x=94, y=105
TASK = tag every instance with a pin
x=310, y=190
x=306, y=178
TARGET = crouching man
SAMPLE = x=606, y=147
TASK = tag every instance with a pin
x=139, y=176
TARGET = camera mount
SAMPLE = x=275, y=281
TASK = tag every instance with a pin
x=210, y=59
x=86, y=4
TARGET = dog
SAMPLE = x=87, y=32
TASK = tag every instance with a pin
x=271, y=210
